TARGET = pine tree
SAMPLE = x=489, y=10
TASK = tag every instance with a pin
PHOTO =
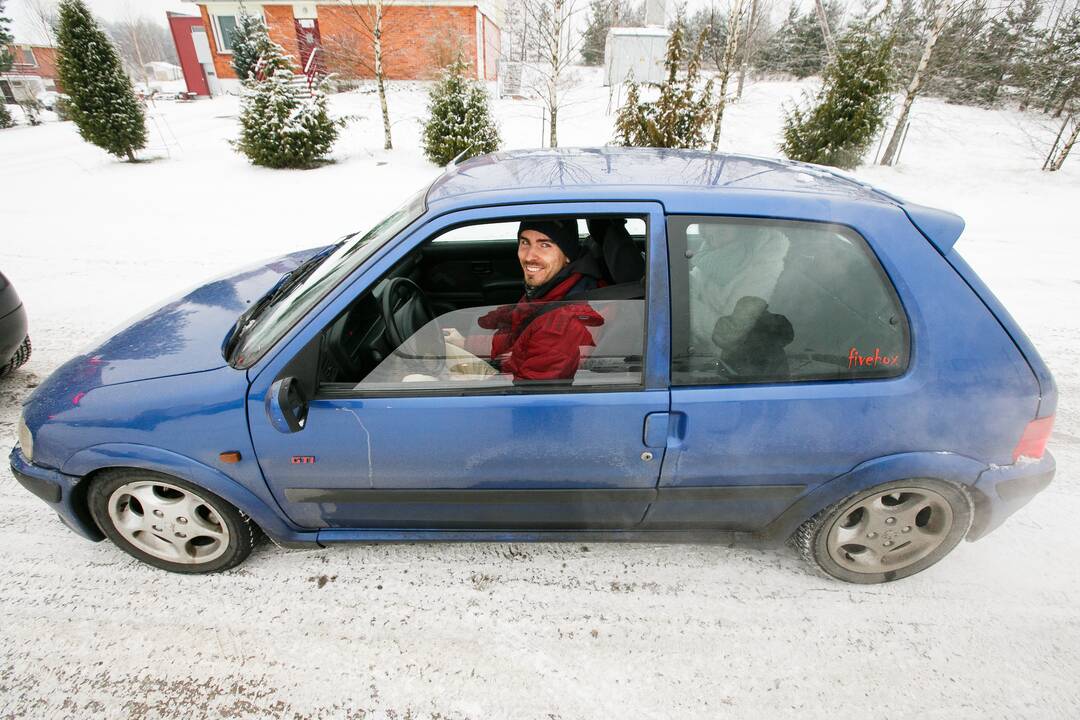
x=1055, y=74
x=798, y=47
x=459, y=117
x=103, y=104
x=594, y=39
x=714, y=25
x=278, y=127
x=604, y=15
x=681, y=114
x=850, y=108
x=249, y=28
x=6, y=61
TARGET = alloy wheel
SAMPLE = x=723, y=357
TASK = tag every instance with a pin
x=168, y=522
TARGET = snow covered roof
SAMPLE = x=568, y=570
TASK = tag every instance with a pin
x=610, y=167
x=649, y=31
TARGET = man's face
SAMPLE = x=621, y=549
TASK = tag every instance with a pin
x=540, y=257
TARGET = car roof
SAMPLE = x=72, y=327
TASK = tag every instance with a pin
x=650, y=172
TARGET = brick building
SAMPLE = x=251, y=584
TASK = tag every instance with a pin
x=418, y=36
x=33, y=72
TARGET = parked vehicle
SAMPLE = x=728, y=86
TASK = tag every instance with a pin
x=14, y=340
x=780, y=352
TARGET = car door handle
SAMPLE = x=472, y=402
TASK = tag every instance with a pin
x=664, y=429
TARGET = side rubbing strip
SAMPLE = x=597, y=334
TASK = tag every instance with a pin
x=732, y=493
x=468, y=497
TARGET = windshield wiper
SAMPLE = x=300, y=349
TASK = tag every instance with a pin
x=287, y=282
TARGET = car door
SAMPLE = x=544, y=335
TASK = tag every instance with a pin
x=416, y=455
x=789, y=353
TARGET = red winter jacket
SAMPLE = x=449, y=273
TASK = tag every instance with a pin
x=533, y=342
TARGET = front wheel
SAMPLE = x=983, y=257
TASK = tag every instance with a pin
x=170, y=523
x=887, y=532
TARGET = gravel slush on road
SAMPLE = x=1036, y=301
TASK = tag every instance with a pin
x=567, y=630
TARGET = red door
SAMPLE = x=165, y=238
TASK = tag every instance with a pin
x=309, y=41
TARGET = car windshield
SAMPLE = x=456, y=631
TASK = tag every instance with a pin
x=268, y=324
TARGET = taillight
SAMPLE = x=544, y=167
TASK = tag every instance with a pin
x=1033, y=442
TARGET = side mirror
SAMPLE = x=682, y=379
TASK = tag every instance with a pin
x=286, y=406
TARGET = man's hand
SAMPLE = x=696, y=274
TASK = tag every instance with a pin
x=452, y=336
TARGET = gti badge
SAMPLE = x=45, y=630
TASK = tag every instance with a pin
x=303, y=459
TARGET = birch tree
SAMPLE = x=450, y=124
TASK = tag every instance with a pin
x=358, y=45
x=826, y=32
x=1057, y=156
x=552, y=21
x=731, y=48
x=759, y=9
x=940, y=18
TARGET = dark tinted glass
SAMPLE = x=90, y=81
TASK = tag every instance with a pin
x=780, y=301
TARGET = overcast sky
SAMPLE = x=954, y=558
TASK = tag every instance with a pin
x=25, y=29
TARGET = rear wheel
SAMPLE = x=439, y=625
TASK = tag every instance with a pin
x=19, y=358
x=170, y=523
x=887, y=532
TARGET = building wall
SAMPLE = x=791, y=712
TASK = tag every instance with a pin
x=282, y=25
x=222, y=61
x=45, y=59
x=492, y=49
x=417, y=39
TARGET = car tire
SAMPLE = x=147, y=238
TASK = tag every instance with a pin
x=887, y=532
x=170, y=523
x=21, y=356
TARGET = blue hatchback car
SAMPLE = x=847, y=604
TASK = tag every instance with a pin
x=769, y=350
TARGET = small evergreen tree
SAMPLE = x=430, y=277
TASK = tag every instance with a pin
x=249, y=28
x=459, y=117
x=278, y=127
x=102, y=102
x=681, y=115
x=6, y=62
x=850, y=108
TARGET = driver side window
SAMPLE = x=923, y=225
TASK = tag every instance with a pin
x=452, y=316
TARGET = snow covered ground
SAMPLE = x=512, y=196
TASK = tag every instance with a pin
x=531, y=631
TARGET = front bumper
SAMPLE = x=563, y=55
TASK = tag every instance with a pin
x=1002, y=490
x=63, y=493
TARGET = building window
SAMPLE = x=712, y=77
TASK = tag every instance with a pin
x=26, y=56
x=223, y=31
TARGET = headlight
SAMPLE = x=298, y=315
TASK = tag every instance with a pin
x=26, y=440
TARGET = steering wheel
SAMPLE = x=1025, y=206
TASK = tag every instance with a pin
x=405, y=310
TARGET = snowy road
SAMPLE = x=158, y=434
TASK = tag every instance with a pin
x=497, y=630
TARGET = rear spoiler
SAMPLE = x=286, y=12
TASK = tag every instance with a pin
x=940, y=227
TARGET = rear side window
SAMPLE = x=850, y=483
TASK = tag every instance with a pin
x=780, y=301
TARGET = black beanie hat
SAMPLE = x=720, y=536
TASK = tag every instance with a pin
x=563, y=232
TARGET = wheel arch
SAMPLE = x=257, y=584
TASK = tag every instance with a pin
x=91, y=462
x=949, y=467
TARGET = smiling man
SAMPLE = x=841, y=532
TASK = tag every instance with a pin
x=540, y=338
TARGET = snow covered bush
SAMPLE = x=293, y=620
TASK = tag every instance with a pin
x=280, y=127
x=681, y=115
x=245, y=37
x=102, y=102
x=459, y=118
x=850, y=107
